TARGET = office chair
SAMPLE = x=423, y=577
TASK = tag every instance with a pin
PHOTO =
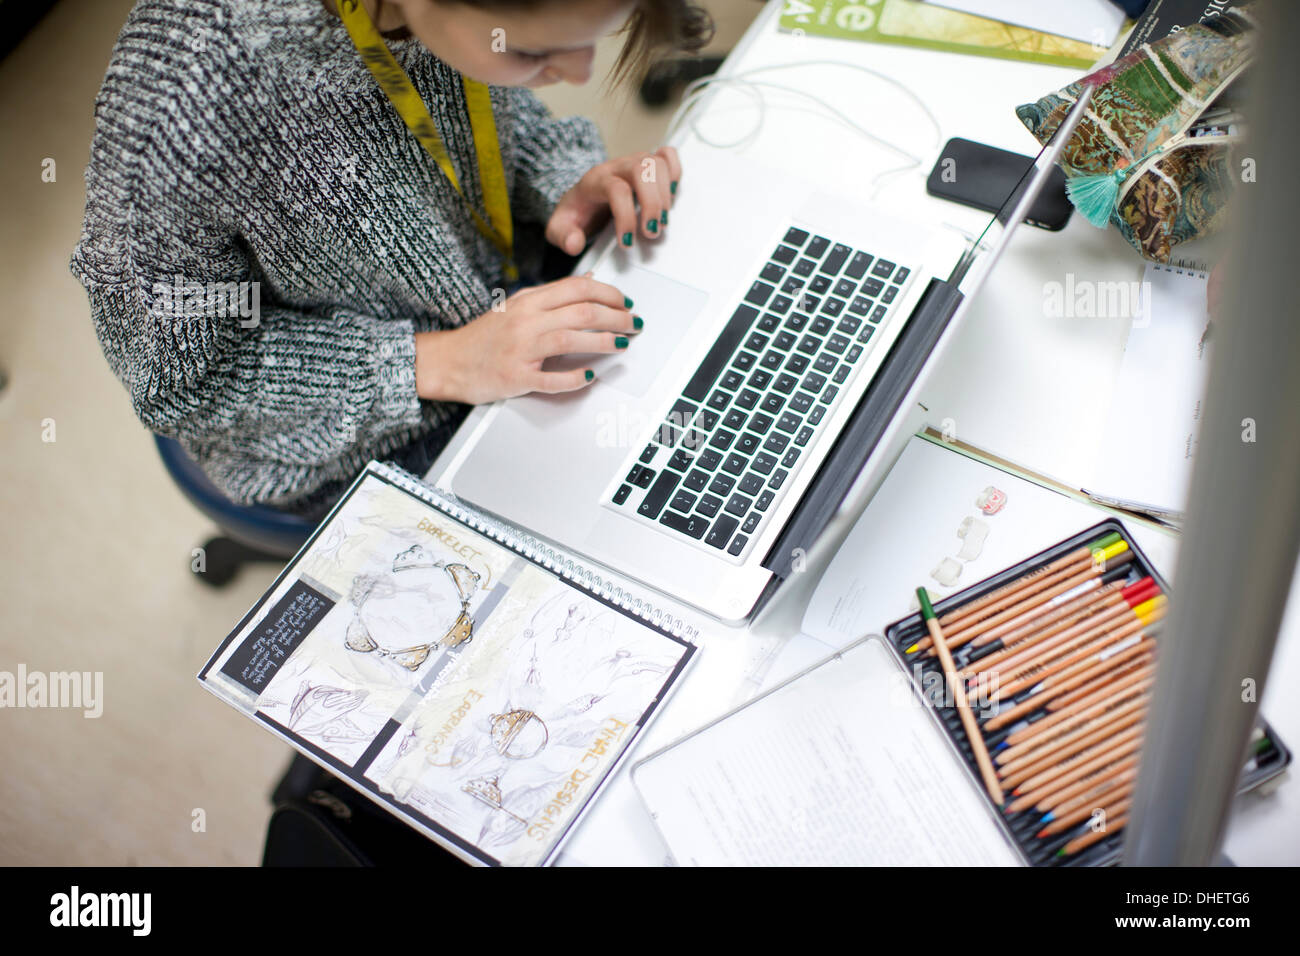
x=249, y=532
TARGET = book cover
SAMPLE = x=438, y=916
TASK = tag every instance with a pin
x=912, y=23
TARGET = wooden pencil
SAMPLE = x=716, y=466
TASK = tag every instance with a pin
x=1048, y=695
x=1092, y=836
x=1013, y=775
x=1110, y=598
x=997, y=684
x=1092, y=794
x=1085, y=579
x=1052, y=620
x=1059, y=668
x=1117, y=805
x=1102, y=682
x=1022, y=755
x=1074, y=557
x=1076, y=767
x=963, y=707
x=1044, y=798
x=1122, y=691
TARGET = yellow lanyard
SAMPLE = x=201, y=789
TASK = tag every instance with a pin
x=403, y=95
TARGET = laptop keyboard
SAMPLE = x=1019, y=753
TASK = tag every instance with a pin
x=714, y=470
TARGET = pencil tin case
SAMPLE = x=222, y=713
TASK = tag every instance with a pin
x=1269, y=759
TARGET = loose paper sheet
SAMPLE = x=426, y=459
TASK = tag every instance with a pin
x=835, y=768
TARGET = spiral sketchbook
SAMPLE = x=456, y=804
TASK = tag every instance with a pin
x=1157, y=402
x=475, y=682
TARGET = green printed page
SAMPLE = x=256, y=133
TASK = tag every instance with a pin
x=911, y=23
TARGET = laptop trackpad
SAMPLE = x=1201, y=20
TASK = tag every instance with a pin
x=669, y=309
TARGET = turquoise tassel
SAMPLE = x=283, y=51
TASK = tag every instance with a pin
x=1095, y=196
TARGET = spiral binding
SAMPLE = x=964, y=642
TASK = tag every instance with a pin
x=1187, y=267
x=538, y=552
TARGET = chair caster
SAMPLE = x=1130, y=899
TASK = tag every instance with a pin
x=222, y=559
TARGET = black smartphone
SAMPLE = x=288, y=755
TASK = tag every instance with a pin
x=981, y=176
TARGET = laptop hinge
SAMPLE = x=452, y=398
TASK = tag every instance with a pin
x=876, y=409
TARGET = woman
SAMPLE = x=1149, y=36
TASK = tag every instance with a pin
x=280, y=270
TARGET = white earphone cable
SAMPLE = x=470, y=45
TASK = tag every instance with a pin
x=697, y=89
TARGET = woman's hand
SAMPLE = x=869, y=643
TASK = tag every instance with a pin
x=618, y=187
x=500, y=353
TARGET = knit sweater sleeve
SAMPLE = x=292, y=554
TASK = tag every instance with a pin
x=192, y=333
x=552, y=154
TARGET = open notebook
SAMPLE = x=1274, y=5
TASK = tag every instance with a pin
x=476, y=683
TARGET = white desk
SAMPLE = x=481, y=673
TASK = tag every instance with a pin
x=1002, y=386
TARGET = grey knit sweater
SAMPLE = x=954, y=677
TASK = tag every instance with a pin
x=244, y=141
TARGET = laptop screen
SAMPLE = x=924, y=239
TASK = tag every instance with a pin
x=863, y=447
x=988, y=247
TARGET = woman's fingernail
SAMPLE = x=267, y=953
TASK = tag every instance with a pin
x=627, y=238
x=589, y=374
x=637, y=322
x=672, y=187
x=653, y=225
x=663, y=217
x=620, y=341
x=627, y=303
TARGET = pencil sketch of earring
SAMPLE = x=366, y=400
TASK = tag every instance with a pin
x=519, y=734
x=488, y=790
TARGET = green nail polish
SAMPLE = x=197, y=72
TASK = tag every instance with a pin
x=589, y=374
x=653, y=225
x=672, y=187
x=627, y=303
x=627, y=238
x=663, y=217
x=620, y=342
x=637, y=322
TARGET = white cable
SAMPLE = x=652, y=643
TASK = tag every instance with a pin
x=696, y=89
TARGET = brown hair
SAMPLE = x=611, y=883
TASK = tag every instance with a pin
x=655, y=27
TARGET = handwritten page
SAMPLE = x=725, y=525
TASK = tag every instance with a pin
x=843, y=766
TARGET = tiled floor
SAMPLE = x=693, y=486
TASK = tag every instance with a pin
x=94, y=573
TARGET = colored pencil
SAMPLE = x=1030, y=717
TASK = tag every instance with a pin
x=1073, y=659
x=1092, y=758
x=1118, y=805
x=1074, y=557
x=1091, y=795
x=1099, y=702
x=1026, y=671
x=1085, y=578
x=1034, y=750
x=963, y=708
x=1015, y=590
x=1111, y=594
x=1013, y=775
x=1091, y=837
x=1044, y=697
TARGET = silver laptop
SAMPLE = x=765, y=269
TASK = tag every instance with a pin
x=787, y=333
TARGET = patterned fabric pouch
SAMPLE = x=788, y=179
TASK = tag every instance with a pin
x=1147, y=156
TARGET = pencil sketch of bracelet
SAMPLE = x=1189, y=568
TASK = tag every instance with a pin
x=365, y=587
